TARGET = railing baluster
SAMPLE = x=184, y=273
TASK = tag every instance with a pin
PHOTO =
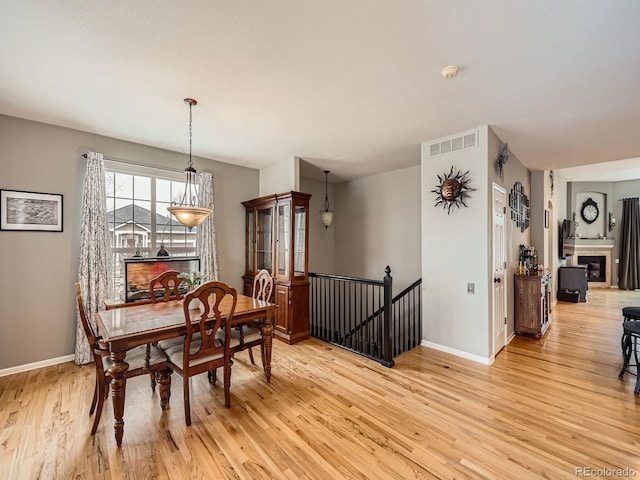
x=361, y=315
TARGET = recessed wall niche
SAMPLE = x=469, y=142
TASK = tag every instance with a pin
x=600, y=227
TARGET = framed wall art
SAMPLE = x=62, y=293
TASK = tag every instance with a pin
x=519, y=204
x=31, y=211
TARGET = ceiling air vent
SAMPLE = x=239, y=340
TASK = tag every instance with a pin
x=454, y=144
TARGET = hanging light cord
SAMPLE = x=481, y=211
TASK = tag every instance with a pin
x=190, y=133
x=326, y=194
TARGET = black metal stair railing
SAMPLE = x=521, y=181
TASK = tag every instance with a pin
x=407, y=318
x=361, y=315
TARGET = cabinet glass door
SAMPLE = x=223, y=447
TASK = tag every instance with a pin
x=299, y=240
x=264, y=233
x=284, y=239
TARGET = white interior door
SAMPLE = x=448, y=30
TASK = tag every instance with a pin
x=499, y=197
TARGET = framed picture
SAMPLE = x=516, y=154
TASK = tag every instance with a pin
x=546, y=219
x=40, y=212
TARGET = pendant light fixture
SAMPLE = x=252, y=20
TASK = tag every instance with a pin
x=188, y=212
x=326, y=214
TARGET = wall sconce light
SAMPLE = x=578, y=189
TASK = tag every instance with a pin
x=612, y=221
x=325, y=213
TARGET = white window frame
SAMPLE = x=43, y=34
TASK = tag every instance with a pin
x=116, y=284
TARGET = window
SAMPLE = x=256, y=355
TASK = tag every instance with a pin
x=139, y=223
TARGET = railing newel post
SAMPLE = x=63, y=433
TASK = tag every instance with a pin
x=387, y=340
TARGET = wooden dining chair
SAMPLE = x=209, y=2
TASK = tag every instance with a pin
x=139, y=364
x=251, y=335
x=202, y=351
x=170, y=285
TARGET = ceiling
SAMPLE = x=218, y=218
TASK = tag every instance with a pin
x=349, y=86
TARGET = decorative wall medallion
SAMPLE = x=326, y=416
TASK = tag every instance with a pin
x=519, y=204
x=452, y=190
x=502, y=159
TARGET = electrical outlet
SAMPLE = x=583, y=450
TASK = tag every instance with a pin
x=617, y=260
x=471, y=288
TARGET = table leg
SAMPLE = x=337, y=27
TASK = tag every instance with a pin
x=164, y=379
x=267, y=331
x=117, y=371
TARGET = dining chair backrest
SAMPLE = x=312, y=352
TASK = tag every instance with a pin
x=211, y=295
x=88, y=330
x=170, y=283
x=262, y=285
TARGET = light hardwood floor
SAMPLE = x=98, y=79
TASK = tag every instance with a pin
x=544, y=409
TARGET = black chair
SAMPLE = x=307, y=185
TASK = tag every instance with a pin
x=629, y=342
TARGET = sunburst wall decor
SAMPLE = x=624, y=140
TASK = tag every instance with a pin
x=452, y=190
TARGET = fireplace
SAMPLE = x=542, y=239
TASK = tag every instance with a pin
x=596, y=267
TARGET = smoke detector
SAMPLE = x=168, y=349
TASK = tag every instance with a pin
x=449, y=72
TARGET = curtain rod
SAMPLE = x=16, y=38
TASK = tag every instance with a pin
x=137, y=164
x=628, y=198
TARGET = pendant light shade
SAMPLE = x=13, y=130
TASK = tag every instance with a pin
x=325, y=213
x=188, y=212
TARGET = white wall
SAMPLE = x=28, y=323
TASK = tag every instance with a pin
x=377, y=223
x=454, y=253
x=282, y=177
x=37, y=302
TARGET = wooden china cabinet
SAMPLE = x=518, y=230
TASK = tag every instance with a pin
x=277, y=239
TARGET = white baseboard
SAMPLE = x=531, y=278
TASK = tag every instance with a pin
x=511, y=337
x=459, y=353
x=35, y=365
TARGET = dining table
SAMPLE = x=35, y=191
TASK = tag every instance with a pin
x=125, y=328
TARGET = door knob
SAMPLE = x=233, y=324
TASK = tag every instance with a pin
x=496, y=280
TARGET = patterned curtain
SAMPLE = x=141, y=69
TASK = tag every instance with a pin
x=206, y=233
x=629, y=269
x=93, y=273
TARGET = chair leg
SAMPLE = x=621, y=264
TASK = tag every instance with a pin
x=251, y=356
x=626, y=352
x=101, y=385
x=187, y=404
x=164, y=379
x=212, y=376
x=227, y=384
x=154, y=380
x=95, y=398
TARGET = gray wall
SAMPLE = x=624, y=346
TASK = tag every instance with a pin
x=457, y=249
x=454, y=253
x=321, y=240
x=603, y=193
x=377, y=223
x=513, y=171
x=559, y=203
x=37, y=303
x=281, y=177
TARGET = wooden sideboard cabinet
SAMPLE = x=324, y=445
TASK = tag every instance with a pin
x=532, y=303
x=277, y=239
